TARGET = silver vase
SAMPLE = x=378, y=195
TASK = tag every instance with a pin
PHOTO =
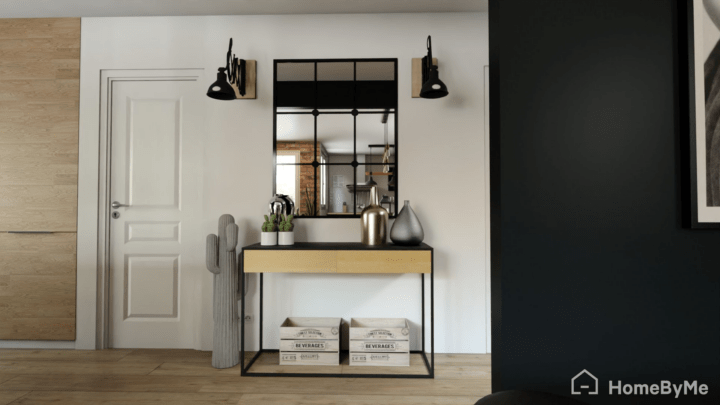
x=407, y=230
x=281, y=204
x=374, y=219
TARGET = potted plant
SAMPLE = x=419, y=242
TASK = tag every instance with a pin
x=269, y=232
x=286, y=236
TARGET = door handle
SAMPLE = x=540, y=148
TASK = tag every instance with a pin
x=115, y=205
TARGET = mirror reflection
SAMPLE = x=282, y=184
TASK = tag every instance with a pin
x=329, y=156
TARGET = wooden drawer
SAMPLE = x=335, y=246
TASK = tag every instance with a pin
x=309, y=345
x=379, y=359
x=337, y=261
x=374, y=346
x=311, y=329
x=379, y=329
x=310, y=358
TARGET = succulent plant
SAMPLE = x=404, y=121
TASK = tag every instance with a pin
x=269, y=224
x=286, y=224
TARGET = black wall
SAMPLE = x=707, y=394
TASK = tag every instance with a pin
x=592, y=268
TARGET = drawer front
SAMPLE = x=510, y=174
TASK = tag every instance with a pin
x=309, y=333
x=310, y=358
x=337, y=261
x=379, y=359
x=379, y=334
x=309, y=345
x=400, y=346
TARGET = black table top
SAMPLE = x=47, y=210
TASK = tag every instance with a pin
x=336, y=246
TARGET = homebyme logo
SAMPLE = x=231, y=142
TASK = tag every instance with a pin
x=584, y=382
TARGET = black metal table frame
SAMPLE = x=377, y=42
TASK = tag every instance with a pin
x=429, y=365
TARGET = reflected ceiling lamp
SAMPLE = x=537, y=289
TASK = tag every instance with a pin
x=370, y=182
x=386, y=151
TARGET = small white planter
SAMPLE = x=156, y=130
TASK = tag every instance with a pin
x=286, y=238
x=268, y=238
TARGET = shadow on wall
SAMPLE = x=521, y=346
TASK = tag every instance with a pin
x=251, y=232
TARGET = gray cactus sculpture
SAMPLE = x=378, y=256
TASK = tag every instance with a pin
x=222, y=262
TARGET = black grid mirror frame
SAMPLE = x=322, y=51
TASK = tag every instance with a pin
x=352, y=89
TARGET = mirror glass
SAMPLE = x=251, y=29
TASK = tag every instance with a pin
x=335, y=134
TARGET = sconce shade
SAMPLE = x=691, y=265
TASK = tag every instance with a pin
x=433, y=87
x=221, y=89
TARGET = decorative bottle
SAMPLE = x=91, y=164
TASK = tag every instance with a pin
x=374, y=221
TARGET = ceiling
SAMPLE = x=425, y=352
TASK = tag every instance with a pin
x=121, y=8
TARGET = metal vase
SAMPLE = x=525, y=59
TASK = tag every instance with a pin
x=374, y=221
x=281, y=204
x=407, y=230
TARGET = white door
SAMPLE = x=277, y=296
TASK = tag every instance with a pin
x=156, y=244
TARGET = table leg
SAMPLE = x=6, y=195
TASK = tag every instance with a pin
x=242, y=313
x=432, y=314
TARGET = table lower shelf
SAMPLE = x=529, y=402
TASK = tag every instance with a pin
x=267, y=364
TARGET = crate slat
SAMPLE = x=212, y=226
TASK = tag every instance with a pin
x=379, y=329
x=309, y=345
x=369, y=346
x=310, y=358
x=311, y=328
x=380, y=359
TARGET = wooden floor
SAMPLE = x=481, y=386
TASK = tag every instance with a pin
x=186, y=377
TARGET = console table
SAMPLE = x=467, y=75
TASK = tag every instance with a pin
x=337, y=258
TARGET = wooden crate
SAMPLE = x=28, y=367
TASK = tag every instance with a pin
x=310, y=341
x=379, y=342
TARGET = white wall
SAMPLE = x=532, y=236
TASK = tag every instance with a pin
x=442, y=157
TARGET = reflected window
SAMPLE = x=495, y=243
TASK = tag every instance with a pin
x=323, y=181
x=288, y=173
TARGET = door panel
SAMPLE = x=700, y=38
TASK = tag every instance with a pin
x=151, y=286
x=156, y=171
x=153, y=153
x=152, y=231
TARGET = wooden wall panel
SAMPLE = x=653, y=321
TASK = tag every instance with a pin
x=37, y=286
x=39, y=102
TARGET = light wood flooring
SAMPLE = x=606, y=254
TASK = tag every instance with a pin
x=181, y=377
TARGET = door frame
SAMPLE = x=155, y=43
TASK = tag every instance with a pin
x=108, y=77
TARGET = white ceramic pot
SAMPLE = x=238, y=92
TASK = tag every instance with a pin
x=286, y=238
x=268, y=238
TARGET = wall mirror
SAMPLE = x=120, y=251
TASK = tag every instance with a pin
x=335, y=134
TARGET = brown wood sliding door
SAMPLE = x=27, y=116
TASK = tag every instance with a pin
x=39, y=101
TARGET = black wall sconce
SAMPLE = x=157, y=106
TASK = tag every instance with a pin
x=236, y=80
x=425, y=80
